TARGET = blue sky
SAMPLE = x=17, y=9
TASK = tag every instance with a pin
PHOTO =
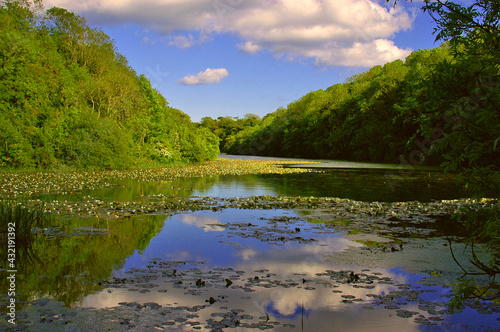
x=232, y=57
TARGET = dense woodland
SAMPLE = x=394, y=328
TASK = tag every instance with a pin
x=371, y=117
x=438, y=107
x=69, y=99
x=390, y=113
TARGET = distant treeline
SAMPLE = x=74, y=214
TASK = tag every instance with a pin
x=69, y=99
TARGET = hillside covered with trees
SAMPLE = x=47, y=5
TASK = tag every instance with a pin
x=370, y=117
x=438, y=107
x=69, y=99
x=380, y=115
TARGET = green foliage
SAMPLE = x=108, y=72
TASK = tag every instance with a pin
x=225, y=128
x=68, y=98
x=466, y=91
x=472, y=30
x=95, y=141
x=373, y=116
x=463, y=122
x=467, y=289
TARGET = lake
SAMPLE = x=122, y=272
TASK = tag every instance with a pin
x=326, y=265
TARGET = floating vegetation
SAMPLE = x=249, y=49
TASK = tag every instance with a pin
x=29, y=184
x=403, y=219
x=214, y=294
x=383, y=231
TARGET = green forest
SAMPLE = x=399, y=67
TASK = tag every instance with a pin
x=370, y=117
x=69, y=100
x=380, y=115
x=438, y=107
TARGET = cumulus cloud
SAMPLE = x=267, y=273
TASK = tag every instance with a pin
x=329, y=32
x=205, y=77
x=379, y=51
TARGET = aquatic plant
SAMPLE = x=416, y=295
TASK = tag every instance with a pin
x=17, y=222
x=17, y=184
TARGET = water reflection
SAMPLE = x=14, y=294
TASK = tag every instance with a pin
x=274, y=270
x=75, y=256
x=363, y=185
x=209, y=224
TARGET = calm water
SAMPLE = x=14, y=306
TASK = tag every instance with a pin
x=362, y=185
x=295, y=284
x=276, y=260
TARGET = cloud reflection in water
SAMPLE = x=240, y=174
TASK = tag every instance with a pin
x=287, y=279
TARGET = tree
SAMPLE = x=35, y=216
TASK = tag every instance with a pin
x=68, y=98
x=465, y=92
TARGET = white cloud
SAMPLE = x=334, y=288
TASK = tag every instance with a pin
x=205, y=77
x=330, y=32
x=359, y=54
x=249, y=47
x=247, y=254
